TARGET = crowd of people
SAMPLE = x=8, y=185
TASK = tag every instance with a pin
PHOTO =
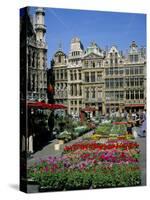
x=134, y=119
x=137, y=119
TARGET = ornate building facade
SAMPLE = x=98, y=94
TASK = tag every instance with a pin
x=33, y=71
x=37, y=59
x=105, y=81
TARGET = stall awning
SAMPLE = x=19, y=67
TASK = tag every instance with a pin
x=134, y=105
x=42, y=105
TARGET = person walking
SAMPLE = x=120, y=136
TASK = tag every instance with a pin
x=143, y=123
x=129, y=126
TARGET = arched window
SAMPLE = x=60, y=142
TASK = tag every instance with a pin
x=59, y=58
x=93, y=64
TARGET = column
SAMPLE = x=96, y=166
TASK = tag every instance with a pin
x=77, y=72
x=69, y=107
x=90, y=95
x=77, y=106
x=89, y=76
x=31, y=144
x=68, y=75
x=96, y=94
x=96, y=76
x=78, y=90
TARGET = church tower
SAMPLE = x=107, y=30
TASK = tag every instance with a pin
x=39, y=73
x=40, y=27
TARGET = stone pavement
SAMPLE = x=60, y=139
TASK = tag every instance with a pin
x=48, y=150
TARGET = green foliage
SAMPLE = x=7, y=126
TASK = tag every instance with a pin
x=118, y=176
x=118, y=129
x=96, y=177
x=78, y=180
x=65, y=135
x=104, y=129
x=81, y=129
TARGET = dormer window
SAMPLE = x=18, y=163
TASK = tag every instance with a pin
x=111, y=61
x=136, y=58
x=93, y=64
x=131, y=58
x=116, y=60
x=59, y=58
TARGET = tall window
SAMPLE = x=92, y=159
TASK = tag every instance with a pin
x=141, y=70
x=65, y=74
x=75, y=75
x=61, y=74
x=117, y=83
x=121, y=71
x=99, y=64
x=137, y=94
x=86, y=63
x=121, y=82
x=57, y=74
x=99, y=76
x=107, y=83
x=127, y=71
x=86, y=76
x=93, y=64
x=132, y=81
x=111, y=71
x=79, y=75
x=131, y=58
x=136, y=81
x=59, y=58
x=71, y=90
x=141, y=94
x=87, y=93
x=71, y=75
x=132, y=71
x=116, y=61
x=136, y=70
x=116, y=71
x=75, y=90
x=92, y=76
x=121, y=95
x=136, y=58
x=141, y=81
x=127, y=95
x=80, y=91
x=93, y=93
x=132, y=94
x=111, y=83
x=33, y=82
x=111, y=61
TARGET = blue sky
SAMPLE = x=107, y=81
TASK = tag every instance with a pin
x=105, y=28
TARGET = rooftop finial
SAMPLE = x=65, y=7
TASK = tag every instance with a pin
x=60, y=46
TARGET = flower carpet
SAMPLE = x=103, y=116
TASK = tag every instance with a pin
x=91, y=164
